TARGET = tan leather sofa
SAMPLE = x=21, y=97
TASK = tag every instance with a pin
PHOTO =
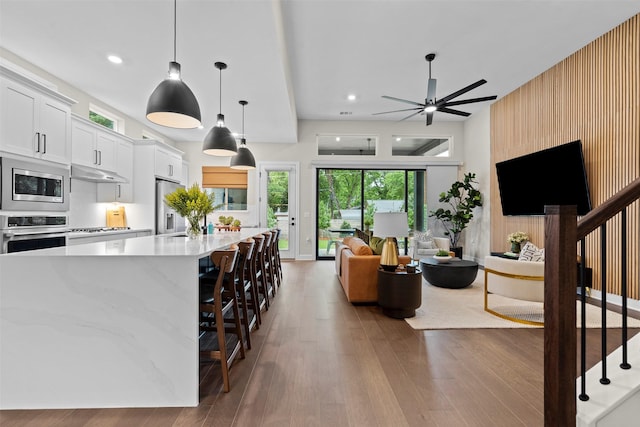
x=357, y=269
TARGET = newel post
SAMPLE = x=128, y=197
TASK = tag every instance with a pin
x=560, y=281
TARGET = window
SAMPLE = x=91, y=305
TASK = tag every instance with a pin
x=229, y=187
x=106, y=119
x=347, y=199
x=347, y=145
x=420, y=146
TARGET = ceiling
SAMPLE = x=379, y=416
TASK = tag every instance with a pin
x=299, y=59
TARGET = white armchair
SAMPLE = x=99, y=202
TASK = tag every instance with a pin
x=523, y=280
x=423, y=245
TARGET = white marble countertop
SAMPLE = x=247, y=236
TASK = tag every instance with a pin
x=81, y=234
x=156, y=245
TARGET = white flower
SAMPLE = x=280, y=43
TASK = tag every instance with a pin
x=518, y=237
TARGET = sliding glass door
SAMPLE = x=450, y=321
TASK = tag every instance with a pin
x=348, y=198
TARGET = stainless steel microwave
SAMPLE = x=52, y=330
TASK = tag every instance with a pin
x=31, y=186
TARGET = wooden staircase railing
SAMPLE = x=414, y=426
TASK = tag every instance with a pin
x=562, y=232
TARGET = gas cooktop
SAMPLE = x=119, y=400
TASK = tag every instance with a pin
x=97, y=229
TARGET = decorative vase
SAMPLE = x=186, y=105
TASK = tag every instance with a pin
x=193, y=227
x=515, y=247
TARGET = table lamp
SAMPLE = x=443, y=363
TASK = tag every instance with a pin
x=390, y=225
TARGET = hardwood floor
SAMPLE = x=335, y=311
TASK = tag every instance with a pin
x=320, y=361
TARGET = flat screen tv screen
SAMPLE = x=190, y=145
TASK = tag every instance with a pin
x=554, y=176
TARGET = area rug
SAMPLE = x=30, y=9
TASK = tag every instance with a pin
x=464, y=309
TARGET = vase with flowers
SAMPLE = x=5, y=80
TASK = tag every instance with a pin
x=193, y=204
x=517, y=239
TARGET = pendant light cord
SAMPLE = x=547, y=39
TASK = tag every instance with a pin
x=220, y=91
x=175, y=26
x=243, y=135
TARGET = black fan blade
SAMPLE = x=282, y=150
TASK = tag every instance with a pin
x=452, y=111
x=411, y=115
x=396, y=111
x=429, y=118
x=403, y=100
x=469, y=101
x=431, y=90
x=461, y=91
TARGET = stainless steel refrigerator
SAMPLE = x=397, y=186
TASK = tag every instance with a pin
x=167, y=219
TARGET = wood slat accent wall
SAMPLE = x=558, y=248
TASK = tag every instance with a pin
x=223, y=177
x=594, y=96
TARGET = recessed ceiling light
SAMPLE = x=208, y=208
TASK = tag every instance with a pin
x=115, y=59
x=337, y=139
x=351, y=97
x=398, y=139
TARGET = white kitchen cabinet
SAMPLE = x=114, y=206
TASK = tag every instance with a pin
x=93, y=146
x=36, y=121
x=151, y=162
x=122, y=192
x=185, y=174
x=168, y=164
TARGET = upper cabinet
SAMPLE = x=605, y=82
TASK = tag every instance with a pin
x=121, y=192
x=93, y=145
x=168, y=163
x=35, y=120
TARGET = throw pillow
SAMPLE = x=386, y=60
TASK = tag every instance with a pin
x=423, y=236
x=531, y=252
x=359, y=247
x=376, y=243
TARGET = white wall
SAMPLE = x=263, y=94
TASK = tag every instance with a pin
x=477, y=159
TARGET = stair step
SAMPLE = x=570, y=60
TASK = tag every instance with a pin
x=614, y=404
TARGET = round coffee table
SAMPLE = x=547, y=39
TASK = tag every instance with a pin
x=455, y=274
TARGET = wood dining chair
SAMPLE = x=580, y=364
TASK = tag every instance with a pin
x=219, y=309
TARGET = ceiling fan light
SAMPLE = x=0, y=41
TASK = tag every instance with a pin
x=430, y=108
x=173, y=104
x=219, y=142
x=244, y=160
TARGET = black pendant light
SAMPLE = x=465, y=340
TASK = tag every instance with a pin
x=219, y=141
x=172, y=103
x=244, y=159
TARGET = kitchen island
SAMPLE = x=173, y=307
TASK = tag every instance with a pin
x=106, y=324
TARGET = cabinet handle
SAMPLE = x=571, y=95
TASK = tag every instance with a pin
x=100, y=157
x=119, y=191
x=95, y=157
x=170, y=170
x=38, y=142
x=44, y=143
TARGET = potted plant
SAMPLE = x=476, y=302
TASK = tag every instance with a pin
x=442, y=256
x=192, y=204
x=516, y=239
x=235, y=225
x=462, y=198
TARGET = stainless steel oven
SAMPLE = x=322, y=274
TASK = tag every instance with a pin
x=30, y=186
x=28, y=232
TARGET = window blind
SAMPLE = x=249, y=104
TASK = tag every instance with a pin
x=223, y=177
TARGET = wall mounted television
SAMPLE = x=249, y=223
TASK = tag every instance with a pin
x=554, y=176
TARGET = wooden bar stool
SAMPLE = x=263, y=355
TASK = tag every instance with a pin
x=215, y=312
x=267, y=265
x=262, y=275
x=275, y=256
x=246, y=299
x=256, y=274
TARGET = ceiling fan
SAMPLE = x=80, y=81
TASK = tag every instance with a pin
x=432, y=104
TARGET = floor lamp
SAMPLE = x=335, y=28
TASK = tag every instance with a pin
x=390, y=225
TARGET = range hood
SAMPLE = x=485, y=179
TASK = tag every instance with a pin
x=86, y=173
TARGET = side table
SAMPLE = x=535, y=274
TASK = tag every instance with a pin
x=399, y=292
